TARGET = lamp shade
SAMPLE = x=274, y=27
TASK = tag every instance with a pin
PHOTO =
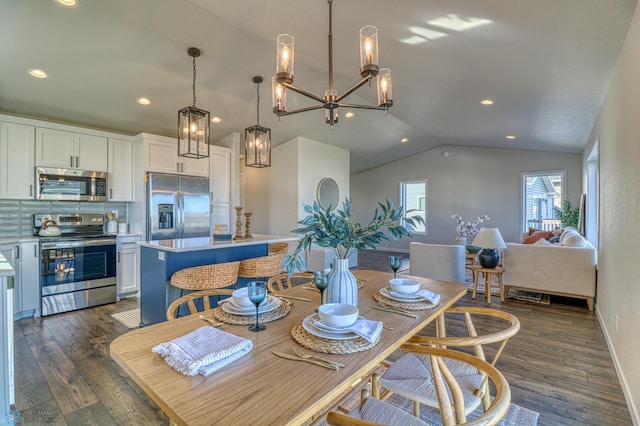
x=489, y=238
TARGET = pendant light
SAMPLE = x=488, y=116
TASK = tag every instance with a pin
x=331, y=101
x=257, y=139
x=193, y=123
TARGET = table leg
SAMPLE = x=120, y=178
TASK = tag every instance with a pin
x=474, y=275
x=487, y=286
x=501, y=288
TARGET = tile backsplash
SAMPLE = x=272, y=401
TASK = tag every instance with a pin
x=16, y=217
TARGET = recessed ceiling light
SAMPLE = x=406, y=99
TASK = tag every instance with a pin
x=487, y=102
x=37, y=73
x=403, y=140
x=349, y=114
x=67, y=3
x=216, y=119
x=511, y=137
x=143, y=101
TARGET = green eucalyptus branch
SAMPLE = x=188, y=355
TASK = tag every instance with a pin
x=334, y=229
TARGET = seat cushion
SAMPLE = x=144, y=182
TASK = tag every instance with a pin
x=411, y=377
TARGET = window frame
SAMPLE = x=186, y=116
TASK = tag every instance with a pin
x=402, y=198
x=523, y=191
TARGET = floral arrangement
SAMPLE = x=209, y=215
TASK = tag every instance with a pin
x=468, y=228
x=335, y=229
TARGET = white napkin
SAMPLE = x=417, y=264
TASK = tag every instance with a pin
x=203, y=351
x=422, y=294
x=367, y=329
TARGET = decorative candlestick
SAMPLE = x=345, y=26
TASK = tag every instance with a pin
x=247, y=225
x=238, y=223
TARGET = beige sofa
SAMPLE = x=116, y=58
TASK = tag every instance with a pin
x=551, y=269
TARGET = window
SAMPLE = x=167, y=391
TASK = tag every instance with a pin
x=542, y=192
x=413, y=196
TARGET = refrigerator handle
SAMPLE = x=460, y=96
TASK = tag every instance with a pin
x=180, y=213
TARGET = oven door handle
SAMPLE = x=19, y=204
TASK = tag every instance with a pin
x=82, y=243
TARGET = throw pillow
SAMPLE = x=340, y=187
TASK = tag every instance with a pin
x=554, y=240
x=532, y=230
x=574, y=240
x=542, y=242
x=536, y=236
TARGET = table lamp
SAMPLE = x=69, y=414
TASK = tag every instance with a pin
x=490, y=240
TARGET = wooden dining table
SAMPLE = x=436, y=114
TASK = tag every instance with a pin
x=261, y=388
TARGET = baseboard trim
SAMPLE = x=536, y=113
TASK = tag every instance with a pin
x=633, y=410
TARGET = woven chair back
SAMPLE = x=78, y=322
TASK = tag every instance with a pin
x=283, y=281
x=262, y=267
x=278, y=247
x=206, y=277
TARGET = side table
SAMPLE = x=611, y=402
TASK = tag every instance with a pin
x=477, y=270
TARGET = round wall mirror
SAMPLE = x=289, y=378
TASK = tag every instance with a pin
x=328, y=194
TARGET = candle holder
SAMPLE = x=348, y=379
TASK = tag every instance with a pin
x=239, y=235
x=247, y=225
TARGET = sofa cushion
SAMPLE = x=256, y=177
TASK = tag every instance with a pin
x=536, y=236
x=573, y=239
x=542, y=242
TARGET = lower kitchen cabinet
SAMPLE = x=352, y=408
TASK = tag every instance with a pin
x=128, y=271
x=23, y=257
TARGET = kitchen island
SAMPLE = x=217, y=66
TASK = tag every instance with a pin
x=160, y=259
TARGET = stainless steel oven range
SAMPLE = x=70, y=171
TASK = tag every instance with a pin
x=78, y=267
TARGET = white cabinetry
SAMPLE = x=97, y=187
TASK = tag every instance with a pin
x=220, y=186
x=161, y=155
x=29, y=283
x=120, y=170
x=128, y=272
x=62, y=149
x=17, y=155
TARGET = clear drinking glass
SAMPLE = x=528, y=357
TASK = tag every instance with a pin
x=257, y=292
x=321, y=280
x=394, y=262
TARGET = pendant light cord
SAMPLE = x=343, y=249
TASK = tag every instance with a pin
x=194, y=82
x=258, y=105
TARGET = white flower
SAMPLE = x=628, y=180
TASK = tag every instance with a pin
x=468, y=228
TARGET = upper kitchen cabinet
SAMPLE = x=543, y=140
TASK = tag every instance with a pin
x=220, y=174
x=62, y=149
x=161, y=156
x=120, y=170
x=17, y=155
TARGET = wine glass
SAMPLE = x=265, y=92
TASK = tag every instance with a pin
x=321, y=280
x=257, y=292
x=394, y=262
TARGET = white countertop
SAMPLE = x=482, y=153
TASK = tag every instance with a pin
x=5, y=267
x=18, y=239
x=207, y=243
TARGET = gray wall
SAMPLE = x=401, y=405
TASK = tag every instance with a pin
x=470, y=182
x=618, y=135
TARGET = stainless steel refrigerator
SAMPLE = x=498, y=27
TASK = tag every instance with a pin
x=178, y=206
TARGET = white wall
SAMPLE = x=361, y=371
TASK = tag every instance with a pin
x=470, y=182
x=275, y=194
x=618, y=135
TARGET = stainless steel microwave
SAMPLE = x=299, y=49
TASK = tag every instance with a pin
x=70, y=184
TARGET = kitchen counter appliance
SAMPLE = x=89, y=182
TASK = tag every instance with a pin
x=70, y=184
x=78, y=267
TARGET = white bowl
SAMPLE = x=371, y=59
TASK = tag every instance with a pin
x=405, y=285
x=241, y=299
x=338, y=314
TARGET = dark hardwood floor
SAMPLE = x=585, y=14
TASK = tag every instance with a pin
x=558, y=364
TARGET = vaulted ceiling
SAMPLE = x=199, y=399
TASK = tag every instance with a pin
x=545, y=64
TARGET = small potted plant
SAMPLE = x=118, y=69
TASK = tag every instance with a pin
x=335, y=229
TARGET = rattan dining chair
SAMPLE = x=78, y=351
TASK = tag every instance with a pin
x=448, y=391
x=283, y=281
x=410, y=375
x=262, y=267
x=194, y=299
x=278, y=247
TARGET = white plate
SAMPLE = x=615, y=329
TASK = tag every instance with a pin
x=408, y=298
x=307, y=324
x=317, y=323
x=272, y=304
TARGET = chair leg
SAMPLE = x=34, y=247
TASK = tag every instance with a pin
x=416, y=409
x=375, y=385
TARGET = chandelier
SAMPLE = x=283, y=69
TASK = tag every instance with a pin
x=193, y=123
x=257, y=139
x=331, y=101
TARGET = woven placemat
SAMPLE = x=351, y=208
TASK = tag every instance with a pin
x=264, y=317
x=329, y=346
x=410, y=306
